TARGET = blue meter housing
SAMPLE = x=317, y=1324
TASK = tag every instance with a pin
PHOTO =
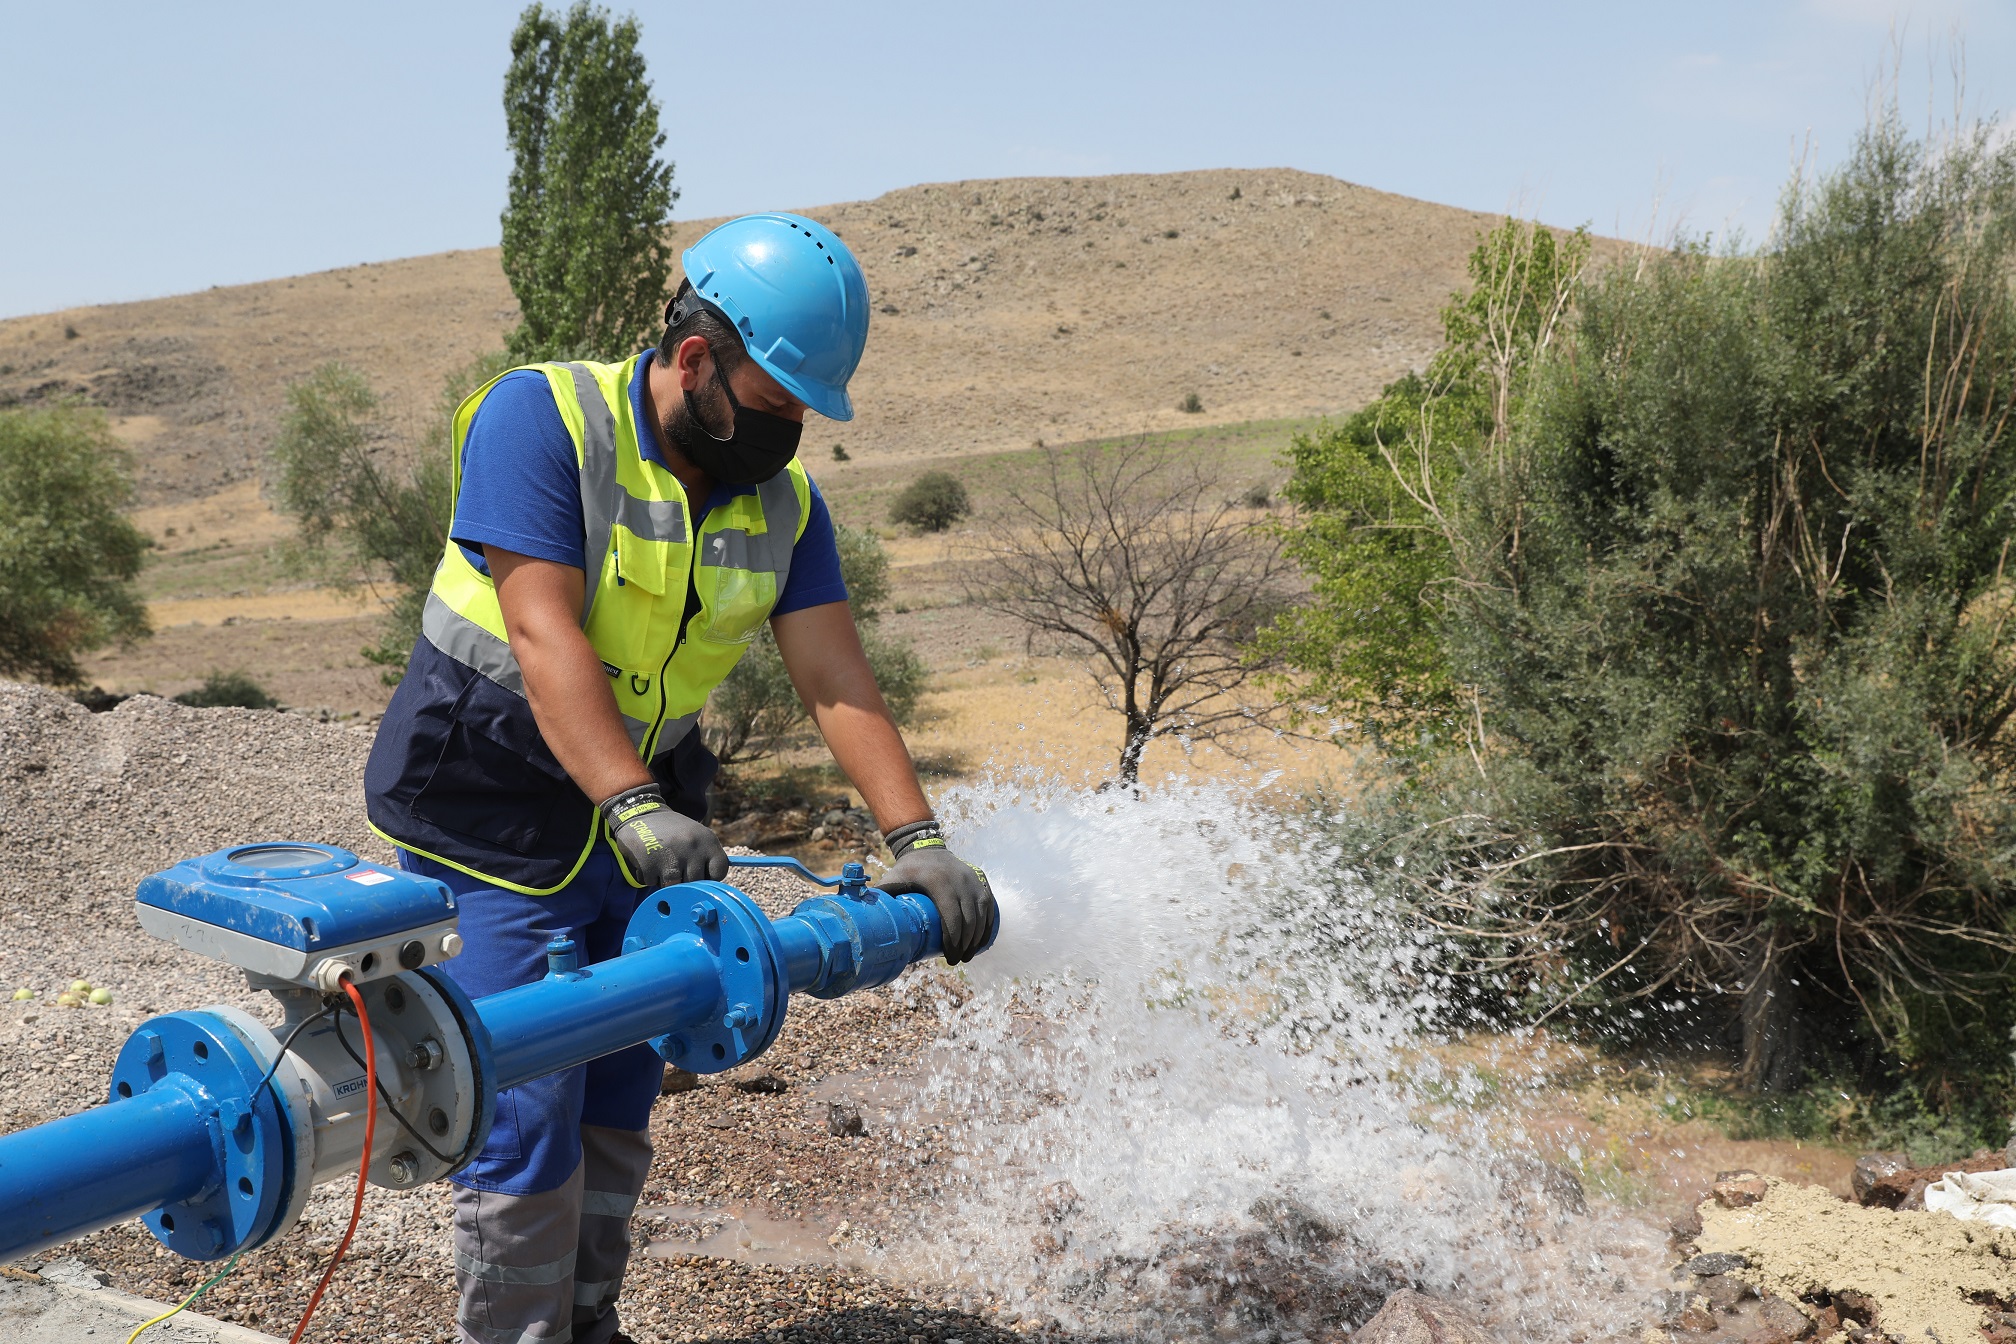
x=285, y=910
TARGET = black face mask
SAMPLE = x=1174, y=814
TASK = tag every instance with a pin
x=759, y=446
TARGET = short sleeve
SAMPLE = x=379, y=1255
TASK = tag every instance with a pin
x=815, y=563
x=521, y=482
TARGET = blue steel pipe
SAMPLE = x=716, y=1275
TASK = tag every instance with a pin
x=573, y=1017
x=105, y=1165
x=219, y=1156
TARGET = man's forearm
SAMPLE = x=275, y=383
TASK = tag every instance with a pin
x=564, y=681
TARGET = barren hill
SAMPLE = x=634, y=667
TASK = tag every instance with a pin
x=1057, y=308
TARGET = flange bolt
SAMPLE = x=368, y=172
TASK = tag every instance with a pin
x=451, y=944
x=405, y=1168
x=426, y=1054
x=706, y=916
x=738, y=1017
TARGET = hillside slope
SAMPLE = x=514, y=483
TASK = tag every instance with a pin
x=1057, y=308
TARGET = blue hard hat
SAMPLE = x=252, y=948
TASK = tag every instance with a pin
x=798, y=297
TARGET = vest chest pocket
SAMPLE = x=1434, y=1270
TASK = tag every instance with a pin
x=739, y=602
x=638, y=606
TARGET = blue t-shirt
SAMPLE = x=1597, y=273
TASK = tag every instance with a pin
x=521, y=490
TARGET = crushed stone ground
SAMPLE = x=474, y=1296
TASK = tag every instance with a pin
x=90, y=804
x=1922, y=1269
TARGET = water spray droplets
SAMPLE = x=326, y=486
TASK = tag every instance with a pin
x=1196, y=1092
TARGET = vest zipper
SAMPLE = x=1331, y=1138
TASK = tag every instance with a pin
x=685, y=620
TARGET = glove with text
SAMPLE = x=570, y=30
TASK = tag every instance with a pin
x=660, y=847
x=965, y=901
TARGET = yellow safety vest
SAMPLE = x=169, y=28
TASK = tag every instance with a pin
x=640, y=544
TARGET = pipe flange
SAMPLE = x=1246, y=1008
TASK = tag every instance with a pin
x=480, y=1054
x=203, y=1056
x=296, y=1108
x=737, y=934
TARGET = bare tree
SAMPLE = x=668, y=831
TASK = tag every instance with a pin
x=1136, y=556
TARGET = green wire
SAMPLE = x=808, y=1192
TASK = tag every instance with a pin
x=209, y=1283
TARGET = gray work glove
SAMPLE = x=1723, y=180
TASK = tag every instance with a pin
x=966, y=913
x=660, y=847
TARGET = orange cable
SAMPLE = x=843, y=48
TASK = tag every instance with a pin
x=363, y=1163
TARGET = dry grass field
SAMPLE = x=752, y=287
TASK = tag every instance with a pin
x=1008, y=313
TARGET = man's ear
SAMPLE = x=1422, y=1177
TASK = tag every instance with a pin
x=694, y=362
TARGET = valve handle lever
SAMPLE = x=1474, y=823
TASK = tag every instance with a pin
x=852, y=881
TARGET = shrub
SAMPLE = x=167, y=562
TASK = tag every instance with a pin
x=367, y=511
x=755, y=710
x=1730, y=637
x=840, y=453
x=68, y=557
x=1192, y=404
x=227, y=690
x=931, y=503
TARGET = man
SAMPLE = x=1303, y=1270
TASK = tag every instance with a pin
x=621, y=533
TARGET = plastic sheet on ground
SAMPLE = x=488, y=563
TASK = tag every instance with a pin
x=1976, y=1197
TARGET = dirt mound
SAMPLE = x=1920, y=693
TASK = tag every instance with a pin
x=1058, y=308
x=1927, y=1275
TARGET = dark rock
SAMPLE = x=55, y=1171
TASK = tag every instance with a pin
x=1294, y=1222
x=843, y=1119
x=1682, y=1231
x=1715, y=1262
x=1858, y=1305
x=677, y=1080
x=762, y=1082
x=1724, y=1291
x=1873, y=1167
x=1665, y=1307
x=1783, y=1321
x=1697, y=1321
x=1409, y=1317
x=719, y=1122
x=1736, y=1189
x=1914, y=1198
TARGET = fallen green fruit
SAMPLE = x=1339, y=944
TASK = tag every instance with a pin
x=101, y=997
x=68, y=1000
x=80, y=986
x=23, y=994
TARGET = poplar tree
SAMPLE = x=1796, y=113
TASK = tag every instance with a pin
x=585, y=245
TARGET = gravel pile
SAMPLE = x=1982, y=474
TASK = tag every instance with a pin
x=90, y=804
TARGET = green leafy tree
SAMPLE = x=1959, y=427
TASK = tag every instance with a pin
x=756, y=709
x=1372, y=492
x=931, y=503
x=585, y=244
x=367, y=511
x=68, y=557
x=1734, y=596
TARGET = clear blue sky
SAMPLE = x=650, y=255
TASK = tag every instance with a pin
x=154, y=149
